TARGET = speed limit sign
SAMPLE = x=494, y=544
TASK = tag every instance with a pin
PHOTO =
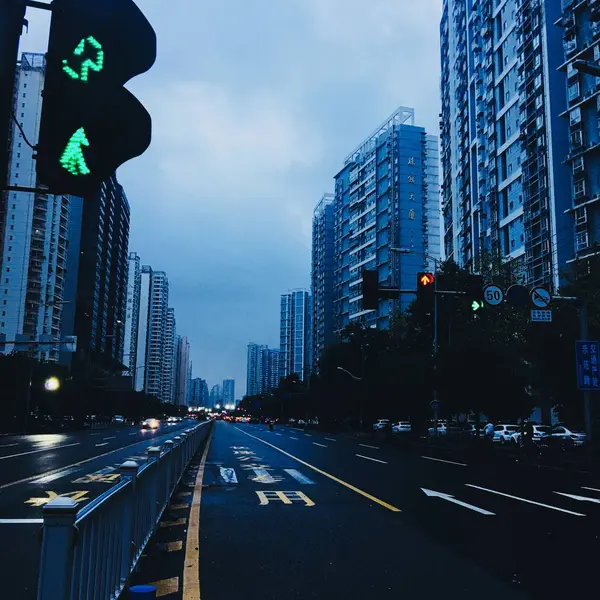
x=493, y=295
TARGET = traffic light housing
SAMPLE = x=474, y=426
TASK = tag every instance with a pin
x=426, y=288
x=90, y=123
x=474, y=292
x=370, y=289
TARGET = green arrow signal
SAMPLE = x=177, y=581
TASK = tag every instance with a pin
x=476, y=305
x=72, y=158
x=88, y=63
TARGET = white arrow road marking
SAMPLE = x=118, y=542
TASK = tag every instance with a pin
x=569, y=512
x=228, y=475
x=452, y=499
x=591, y=489
x=580, y=498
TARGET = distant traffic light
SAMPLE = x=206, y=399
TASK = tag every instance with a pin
x=426, y=288
x=474, y=292
x=370, y=289
x=90, y=123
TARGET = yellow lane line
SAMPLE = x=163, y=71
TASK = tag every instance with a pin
x=329, y=475
x=191, y=571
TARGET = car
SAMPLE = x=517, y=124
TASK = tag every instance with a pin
x=441, y=430
x=401, y=427
x=150, y=424
x=539, y=431
x=118, y=419
x=503, y=433
x=380, y=424
x=578, y=437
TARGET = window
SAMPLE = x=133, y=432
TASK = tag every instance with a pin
x=576, y=139
x=578, y=164
x=579, y=189
x=538, y=81
x=580, y=215
x=573, y=90
x=536, y=42
x=575, y=116
x=539, y=121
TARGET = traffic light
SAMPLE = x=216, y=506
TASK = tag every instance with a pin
x=90, y=123
x=474, y=292
x=12, y=13
x=370, y=289
x=426, y=288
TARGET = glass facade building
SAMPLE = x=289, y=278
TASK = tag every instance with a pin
x=295, y=334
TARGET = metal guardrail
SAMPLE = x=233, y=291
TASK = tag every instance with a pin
x=88, y=554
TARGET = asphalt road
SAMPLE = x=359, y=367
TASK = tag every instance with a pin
x=36, y=468
x=319, y=516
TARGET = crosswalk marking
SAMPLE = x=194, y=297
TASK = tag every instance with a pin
x=299, y=476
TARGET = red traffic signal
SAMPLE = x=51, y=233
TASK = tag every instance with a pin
x=425, y=279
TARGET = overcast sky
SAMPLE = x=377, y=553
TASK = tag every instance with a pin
x=255, y=105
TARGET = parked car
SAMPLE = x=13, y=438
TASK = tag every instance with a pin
x=539, y=431
x=401, y=427
x=503, y=433
x=380, y=424
x=578, y=437
x=441, y=429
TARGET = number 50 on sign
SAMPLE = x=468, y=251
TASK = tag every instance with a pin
x=493, y=295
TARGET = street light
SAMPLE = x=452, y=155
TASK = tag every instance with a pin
x=348, y=373
x=52, y=384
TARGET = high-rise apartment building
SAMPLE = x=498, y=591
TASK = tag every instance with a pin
x=199, y=392
x=295, y=334
x=262, y=369
x=269, y=369
x=34, y=228
x=182, y=370
x=229, y=392
x=386, y=217
x=322, y=276
x=505, y=189
x=169, y=362
x=101, y=301
x=132, y=315
x=141, y=352
x=581, y=30
x=215, y=399
x=155, y=344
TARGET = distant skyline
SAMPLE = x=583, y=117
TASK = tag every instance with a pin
x=248, y=132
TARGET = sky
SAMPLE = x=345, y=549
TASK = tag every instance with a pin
x=255, y=105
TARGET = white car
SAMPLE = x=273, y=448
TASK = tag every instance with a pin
x=503, y=433
x=441, y=430
x=578, y=437
x=380, y=424
x=539, y=431
x=401, y=427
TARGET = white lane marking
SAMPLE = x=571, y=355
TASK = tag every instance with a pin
x=262, y=476
x=317, y=444
x=228, y=475
x=134, y=433
x=449, y=498
x=580, y=498
x=293, y=438
x=367, y=446
x=299, y=476
x=113, y=437
x=55, y=476
x=95, y=434
x=331, y=439
x=308, y=434
x=9, y=445
x=450, y=462
x=296, y=429
x=102, y=444
x=277, y=434
x=20, y=521
x=569, y=512
x=373, y=459
x=591, y=489
x=36, y=451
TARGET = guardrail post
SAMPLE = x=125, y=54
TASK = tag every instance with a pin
x=169, y=456
x=128, y=470
x=178, y=460
x=186, y=448
x=58, y=543
x=154, y=490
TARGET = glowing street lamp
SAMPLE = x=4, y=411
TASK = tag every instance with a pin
x=52, y=384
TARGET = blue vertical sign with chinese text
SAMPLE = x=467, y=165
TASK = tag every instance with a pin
x=587, y=356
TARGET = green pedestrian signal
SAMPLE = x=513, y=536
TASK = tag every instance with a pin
x=72, y=158
x=88, y=63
